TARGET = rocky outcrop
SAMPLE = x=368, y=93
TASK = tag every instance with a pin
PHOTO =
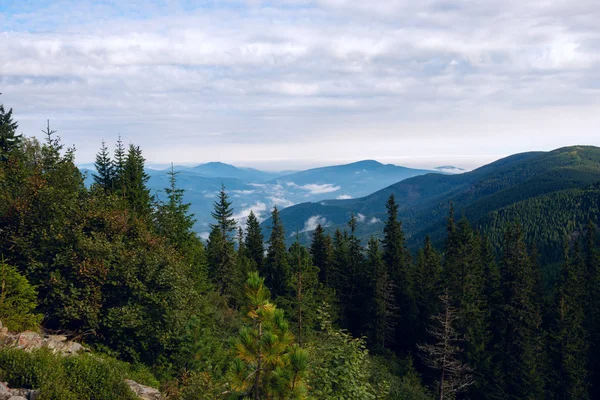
x=17, y=394
x=59, y=344
x=29, y=341
x=143, y=392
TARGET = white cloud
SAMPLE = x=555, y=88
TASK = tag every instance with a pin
x=374, y=220
x=281, y=201
x=315, y=188
x=360, y=217
x=389, y=77
x=312, y=222
x=204, y=235
x=243, y=192
x=344, y=197
x=259, y=208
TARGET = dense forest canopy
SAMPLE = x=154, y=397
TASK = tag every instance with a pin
x=248, y=316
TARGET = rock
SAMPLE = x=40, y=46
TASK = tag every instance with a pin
x=17, y=398
x=57, y=338
x=143, y=392
x=29, y=340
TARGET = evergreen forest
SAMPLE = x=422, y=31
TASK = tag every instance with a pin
x=244, y=315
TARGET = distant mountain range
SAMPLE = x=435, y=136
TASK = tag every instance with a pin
x=260, y=191
x=486, y=196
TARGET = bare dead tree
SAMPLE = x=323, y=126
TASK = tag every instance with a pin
x=455, y=376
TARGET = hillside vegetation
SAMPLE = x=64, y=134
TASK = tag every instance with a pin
x=248, y=316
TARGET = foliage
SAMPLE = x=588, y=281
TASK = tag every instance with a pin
x=268, y=363
x=70, y=378
x=18, y=300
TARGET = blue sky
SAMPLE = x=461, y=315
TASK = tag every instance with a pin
x=294, y=83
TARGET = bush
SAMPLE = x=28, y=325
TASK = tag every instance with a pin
x=17, y=300
x=70, y=378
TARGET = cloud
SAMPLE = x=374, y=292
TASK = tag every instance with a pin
x=243, y=192
x=360, y=217
x=281, y=201
x=204, y=235
x=390, y=77
x=312, y=222
x=259, y=208
x=374, y=220
x=315, y=188
x=344, y=197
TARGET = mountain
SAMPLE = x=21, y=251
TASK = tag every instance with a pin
x=222, y=170
x=259, y=191
x=487, y=194
x=349, y=180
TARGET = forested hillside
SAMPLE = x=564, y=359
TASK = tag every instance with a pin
x=482, y=195
x=248, y=316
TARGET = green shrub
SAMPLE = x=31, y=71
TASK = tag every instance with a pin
x=70, y=378
x=17, y=300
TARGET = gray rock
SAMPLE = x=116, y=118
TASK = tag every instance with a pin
x=143, y=392
x=17, y=398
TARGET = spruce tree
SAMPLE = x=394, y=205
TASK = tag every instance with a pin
x=568, y=341
x=277, y=269
x=254, y=243
x=321, y=253
x=354, y=295
x=428, y=281
x=9, y=140
x=223, y=215
x=397, y=260
x=520, y=321
x=304, y=286
x=382, y=311
x=173, y=218
x=135, y=182
x=120, y=157
x=592, y=308
x=105, y=174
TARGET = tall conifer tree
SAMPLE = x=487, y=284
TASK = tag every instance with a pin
x=592, y=308
x=568, y=337
x=397, y=260
x=254, y=243
x=135, y=182
x=9, y=140
x=520, y=321
x=277, y=269
x=321, y=253
x=104, y=176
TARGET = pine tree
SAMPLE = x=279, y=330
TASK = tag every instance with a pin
x=397, y=260
x=520, y=321
x=135, y=182
x=277, y=269
x=268, y=364
x=9, y=141
x=223, y=215
x=105, y=169
x=321, y=253
x=592, y=308
x=254, y=243
x=568, y=337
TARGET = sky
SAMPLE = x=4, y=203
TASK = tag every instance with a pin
x=296, y=83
